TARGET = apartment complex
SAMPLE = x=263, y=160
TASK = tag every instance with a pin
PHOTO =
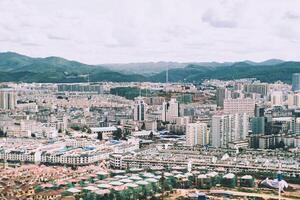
x=229, y=128
x=8, y=99
x=170, y=110
x=197, y=134
x=240, y=105
x=139, y=109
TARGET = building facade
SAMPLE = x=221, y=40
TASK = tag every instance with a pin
x=196, y=134
x=170, y=110
x=220, y=96
x=229, y=128
x=296, y=82
x=277, y=98
x=259, y=88
x=139, y=109
x=8, y=99
x=243, y=105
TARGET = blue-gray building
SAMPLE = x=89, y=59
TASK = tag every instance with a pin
x=258, y=125
x=296, y=82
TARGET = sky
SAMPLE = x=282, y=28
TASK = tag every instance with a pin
x=125, y=31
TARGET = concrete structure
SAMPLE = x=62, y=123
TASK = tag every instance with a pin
x=296, y=82
x=259, y=88
x=8, y=99
x=139, y=109
x=72, y=152
x=182, y=120
x=197, y=134
x=277, y=98
x=208, y=159
x=258, y=125
x=105, y=132
x=260, y=141
x=81, y=87
x=297, y=126
x=229, y=128
x=221, y=94
x=294, y=100
x=170, y=110
x=243, y=105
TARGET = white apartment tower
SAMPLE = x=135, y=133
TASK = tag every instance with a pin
x=196, y=134
x=8, y=99
x=229, y=128
x=170, y=110
x=277, y=98
x=294, y=100
x=297, y=126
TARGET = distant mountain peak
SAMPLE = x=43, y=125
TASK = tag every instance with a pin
x=272, y=61
x=12, y=54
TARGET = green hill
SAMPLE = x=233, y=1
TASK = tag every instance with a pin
x=268, y=73
x=16, y=67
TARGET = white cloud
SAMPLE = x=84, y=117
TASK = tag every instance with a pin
x=105, y=31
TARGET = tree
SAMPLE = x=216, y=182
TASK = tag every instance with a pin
x=241, y=150
x=85, y=128
x=68, y=133
x=151, y=135
x=143, y=127
x=281, y=144
x=38, y=188
x=127, y=132
x=2, y=133
x=117, y=135
x=75, y=127
x=99, y=137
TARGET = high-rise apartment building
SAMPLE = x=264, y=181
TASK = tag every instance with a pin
x=296, y=82
x=80, y=87
x=139, y=109
x=259, y=110
x=229, y=128
x=8, y=99
x=297, y=126
x=294, y=100
x=259, y=88
x=170, y=110
x=220, y=96
x=197, y=134
x=242, y=105
x=258, y=125
x=277, y=98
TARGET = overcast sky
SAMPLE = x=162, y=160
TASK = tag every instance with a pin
x=120, y=31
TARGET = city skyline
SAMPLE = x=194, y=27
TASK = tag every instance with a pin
x=143, y=31
x=149, y=99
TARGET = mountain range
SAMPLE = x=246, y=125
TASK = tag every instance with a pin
x=21, y=68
